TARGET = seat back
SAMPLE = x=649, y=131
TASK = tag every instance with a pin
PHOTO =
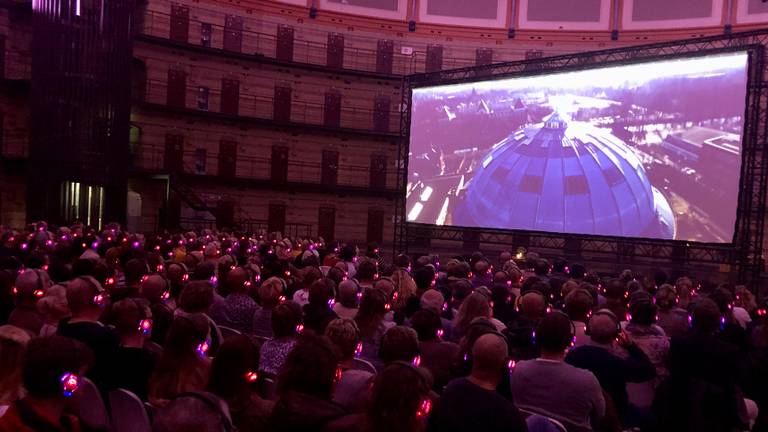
x=364, y=365
x=540, y=423
x=91, y=408
x=128, y=412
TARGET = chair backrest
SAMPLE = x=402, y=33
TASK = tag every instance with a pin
x=91, y=408
x=540, y=423
x=266, y=388
x=128, y=412
x=228, y=332
x=364, y=365
x=259, y=340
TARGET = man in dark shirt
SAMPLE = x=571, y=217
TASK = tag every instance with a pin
x=86, y=298
x=472, y=403
x=133, y=364
x=612, y=371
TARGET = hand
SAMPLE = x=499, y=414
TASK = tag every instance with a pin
x=623, y=339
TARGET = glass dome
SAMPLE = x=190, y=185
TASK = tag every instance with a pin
x=569, y=177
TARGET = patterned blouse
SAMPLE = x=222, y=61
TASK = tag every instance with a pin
x=273, y=355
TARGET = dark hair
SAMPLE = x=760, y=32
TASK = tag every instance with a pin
x=126, y=314
x=424, y=277
x=336, y=275
x=578, y=303
x=366, y=270
x=642, y=309
x=559, y=265
x=399, y=343
x=554, y=333
x=724, y=300
x=577, y=271
x=347, y=253
x=666, y=297
x=541, y=267
x=196, y=296
x=615, y=289
x=285, y=317
x=310, y=368
x=426, y=323
x=398, y=392
x=235, y=358
x=705, y=316
x=372, y=310
x=47, y=359
x=135, y=269
x=321, y=291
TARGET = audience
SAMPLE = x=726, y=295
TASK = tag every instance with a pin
x=370, y=345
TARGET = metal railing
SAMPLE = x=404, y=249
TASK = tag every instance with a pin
x=152, y=158
x=262, y=107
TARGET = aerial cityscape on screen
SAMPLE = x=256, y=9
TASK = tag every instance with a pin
x=645, y=150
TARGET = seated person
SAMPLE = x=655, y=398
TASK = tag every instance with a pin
x=612, y=371
x=237, y=309
x=346, y=300
x=269, y=297
x=286, y=319
x=305, y=387
x=86, y=300
x=184, y=364
x=553, y=388
x=352, y=389
x=399, y=343
x=472, y=403
x=44, y=407
x=436, y=354
x=133, y=363
x=31, y=285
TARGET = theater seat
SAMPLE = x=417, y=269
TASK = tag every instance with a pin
x=128, y=412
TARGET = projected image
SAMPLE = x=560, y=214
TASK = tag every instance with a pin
x=646, y=150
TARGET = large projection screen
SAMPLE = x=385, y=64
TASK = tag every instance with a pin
x=645, y=150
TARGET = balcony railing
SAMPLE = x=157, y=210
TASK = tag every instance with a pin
x=259, y=168
x=262, y=107
x=292, y=230
x=309, y=46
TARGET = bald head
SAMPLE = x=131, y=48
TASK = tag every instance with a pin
x=532, y=305
x=153, y=287
x=603, y=327
x=489, y=355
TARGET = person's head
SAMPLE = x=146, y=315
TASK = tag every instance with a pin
x=641, y=309
x=724, y=300
x=310, y=368
x=568, y=287
x=372, y=310
x=309, y=275
x=194, y=412
x=666, y=297
x=85, y=297
x=399, y=343
x=177, y=273
x=135, y=270
x=460, y=290
x=270, y=291
x=432, y=300
x=132, y=318
x=603, y=326
x=481, y=267
x=31, y=285
x=705, y=316
x=554, y=334
x=233, y=369
x=153, y=287
x=684, y=289
x=348, y=253
x=186, y=334
x=458, y=269
x=285, y=319
x=366, y=270
x=541, y=267
x=532, y=305
x=347, y=295
x=321, y=292
x=47, y=360
x=489, y=357
x=236, y=281
x=13, y=345
x=578, y=304
x=196, y=297
x=577, y=271
x=387, y=286
x=615, y=289
x=53, y=306
x=204, y=271
x=345, y=336
x=474, y=306
x=399, y=399
x=337, y=275
x=427, y=325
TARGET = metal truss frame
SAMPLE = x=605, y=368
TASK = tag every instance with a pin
x=744, y=255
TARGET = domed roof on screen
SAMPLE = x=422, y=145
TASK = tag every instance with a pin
x=564, y=176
